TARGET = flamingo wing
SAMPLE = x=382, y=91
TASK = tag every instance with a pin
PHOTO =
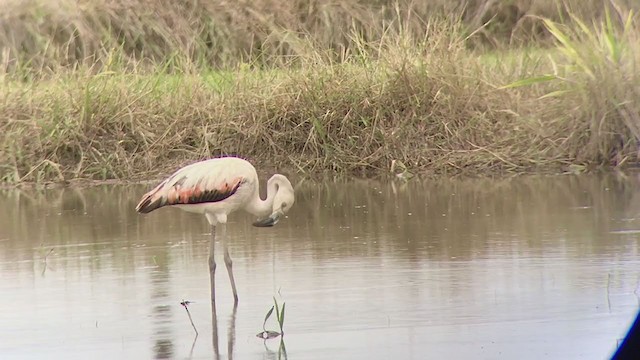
x=194, y=184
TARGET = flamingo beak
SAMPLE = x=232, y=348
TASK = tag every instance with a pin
x=269, y=221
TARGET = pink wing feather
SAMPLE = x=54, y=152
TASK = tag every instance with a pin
x=194, y=184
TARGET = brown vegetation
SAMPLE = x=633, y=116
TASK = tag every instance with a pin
x=41, y=34
x=122, y=90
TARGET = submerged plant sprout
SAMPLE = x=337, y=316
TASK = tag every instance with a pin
x=270, y=334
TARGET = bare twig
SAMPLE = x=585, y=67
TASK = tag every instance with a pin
x=44, y=269
x=49, y=253
x=185, y=304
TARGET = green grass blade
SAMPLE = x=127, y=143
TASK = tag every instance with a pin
x=319, y=128
x=556, y=93
x=529, y=81
x=612, y=43
x=267, y=318
x=277, y=309
x=559, y=35
x=586, y=30
x=281, y=319
x=629, y=22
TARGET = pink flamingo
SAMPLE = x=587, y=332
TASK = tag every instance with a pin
x=216, y=188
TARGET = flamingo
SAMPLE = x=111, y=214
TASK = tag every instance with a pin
x=216, y=188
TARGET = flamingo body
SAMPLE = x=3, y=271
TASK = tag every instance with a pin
x=204, y=186
x=216, y=188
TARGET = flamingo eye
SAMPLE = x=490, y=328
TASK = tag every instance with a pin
x=284, y=205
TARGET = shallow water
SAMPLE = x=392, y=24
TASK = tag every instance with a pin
x=527, y=268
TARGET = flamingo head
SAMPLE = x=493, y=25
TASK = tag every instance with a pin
x=282, y=201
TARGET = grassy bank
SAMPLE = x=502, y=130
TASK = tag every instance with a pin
x=413, y=93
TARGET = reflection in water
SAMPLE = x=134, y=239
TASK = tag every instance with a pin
x=279, y=354
x=163, y=347
x=231, y=333
x=44, y=262
x=214, y=332
x=514, y=268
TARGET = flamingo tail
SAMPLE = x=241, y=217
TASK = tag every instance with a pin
x=150, y=201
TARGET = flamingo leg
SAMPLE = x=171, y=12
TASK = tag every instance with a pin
x=229, y=263
x=231, y=333
x=212, y=267
x=214, y=331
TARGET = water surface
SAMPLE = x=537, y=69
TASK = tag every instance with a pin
x=527, y=268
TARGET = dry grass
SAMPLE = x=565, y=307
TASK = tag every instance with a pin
x=128, y=93
x=42, y=35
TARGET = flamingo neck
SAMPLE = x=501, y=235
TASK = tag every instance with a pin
x=261, y=207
